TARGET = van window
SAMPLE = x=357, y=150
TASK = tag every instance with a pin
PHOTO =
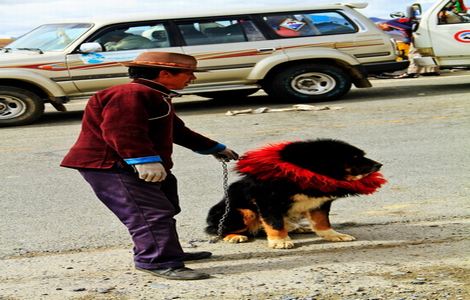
x=454, y=12
x=219, y=32
x=309, y=24
x=134, y=37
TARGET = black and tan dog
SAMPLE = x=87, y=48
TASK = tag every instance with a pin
x=286, y=182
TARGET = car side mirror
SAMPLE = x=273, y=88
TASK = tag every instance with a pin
x=91, y=47
x=414, y=12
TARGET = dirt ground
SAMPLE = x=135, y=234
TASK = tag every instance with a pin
x=400, y=260
x=412, y=237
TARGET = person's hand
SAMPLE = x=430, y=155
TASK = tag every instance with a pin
x=151, y=172
x=226, y=155
x=110, y=46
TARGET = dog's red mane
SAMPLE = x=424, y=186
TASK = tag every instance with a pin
x=266, y=164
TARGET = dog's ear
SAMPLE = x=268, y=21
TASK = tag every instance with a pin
x=324, y=156
x=301, y=153
x=310, y=155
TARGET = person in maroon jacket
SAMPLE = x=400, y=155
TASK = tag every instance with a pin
x=124, y=152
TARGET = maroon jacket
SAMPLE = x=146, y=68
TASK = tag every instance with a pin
x=133, y=123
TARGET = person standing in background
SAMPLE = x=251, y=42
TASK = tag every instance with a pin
x=405, y=25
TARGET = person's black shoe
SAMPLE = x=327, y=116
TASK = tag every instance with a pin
x=431, y=74
x=196, y=255
x=407, y=75
x=384, y=76
x=181, y=273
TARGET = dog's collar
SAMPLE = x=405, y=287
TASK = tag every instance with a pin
x=266, y=164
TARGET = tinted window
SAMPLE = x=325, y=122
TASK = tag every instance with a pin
x=309, y=24
x=219, y=31
x=134, y=37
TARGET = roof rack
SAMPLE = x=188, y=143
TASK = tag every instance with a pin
x=355, y=4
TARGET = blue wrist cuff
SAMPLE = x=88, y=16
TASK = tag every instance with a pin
x=143, y=160
x=217, y=148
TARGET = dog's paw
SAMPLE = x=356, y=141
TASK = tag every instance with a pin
x=302, y=229
x=334, y=236
x=235, y=238
x=281, y=243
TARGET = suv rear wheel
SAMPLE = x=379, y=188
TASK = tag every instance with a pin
x=309, y=83
x=19, y=106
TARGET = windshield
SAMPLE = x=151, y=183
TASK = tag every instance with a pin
x=50, y=37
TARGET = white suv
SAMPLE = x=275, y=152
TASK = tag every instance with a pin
x=296, y=54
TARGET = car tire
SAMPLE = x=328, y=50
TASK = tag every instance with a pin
x=19, y=106
x=234, y=94
x=309, y=83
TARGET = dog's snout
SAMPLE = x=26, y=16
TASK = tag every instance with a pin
x=377, y=166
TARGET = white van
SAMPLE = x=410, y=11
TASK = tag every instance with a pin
x=295, y=53
x=443, y=34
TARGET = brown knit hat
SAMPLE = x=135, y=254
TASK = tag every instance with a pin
x=165, y=60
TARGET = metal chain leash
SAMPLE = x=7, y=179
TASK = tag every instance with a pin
x=220, y=226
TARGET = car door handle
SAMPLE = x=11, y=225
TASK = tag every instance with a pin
x=266, y=50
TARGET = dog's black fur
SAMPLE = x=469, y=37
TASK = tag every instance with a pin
x=272, y=200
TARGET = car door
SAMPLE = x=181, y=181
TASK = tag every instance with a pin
x=91, y=72
x=229, y=47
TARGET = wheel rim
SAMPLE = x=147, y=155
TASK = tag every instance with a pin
x=11, y=107
x=313, y=83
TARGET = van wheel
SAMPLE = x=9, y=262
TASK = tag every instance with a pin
x=228, y=94
x=309, y=83
x=19, y=106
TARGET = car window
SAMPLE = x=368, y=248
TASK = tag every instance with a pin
x=51, y=37
x=309, y=24
x=219, y=31
x=454, y=12
x=134, y=37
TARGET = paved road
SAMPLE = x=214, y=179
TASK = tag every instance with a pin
x=58, y=241
x=418, y=128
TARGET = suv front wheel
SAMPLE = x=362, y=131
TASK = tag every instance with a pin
x=19, y=106
x=309, y=83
